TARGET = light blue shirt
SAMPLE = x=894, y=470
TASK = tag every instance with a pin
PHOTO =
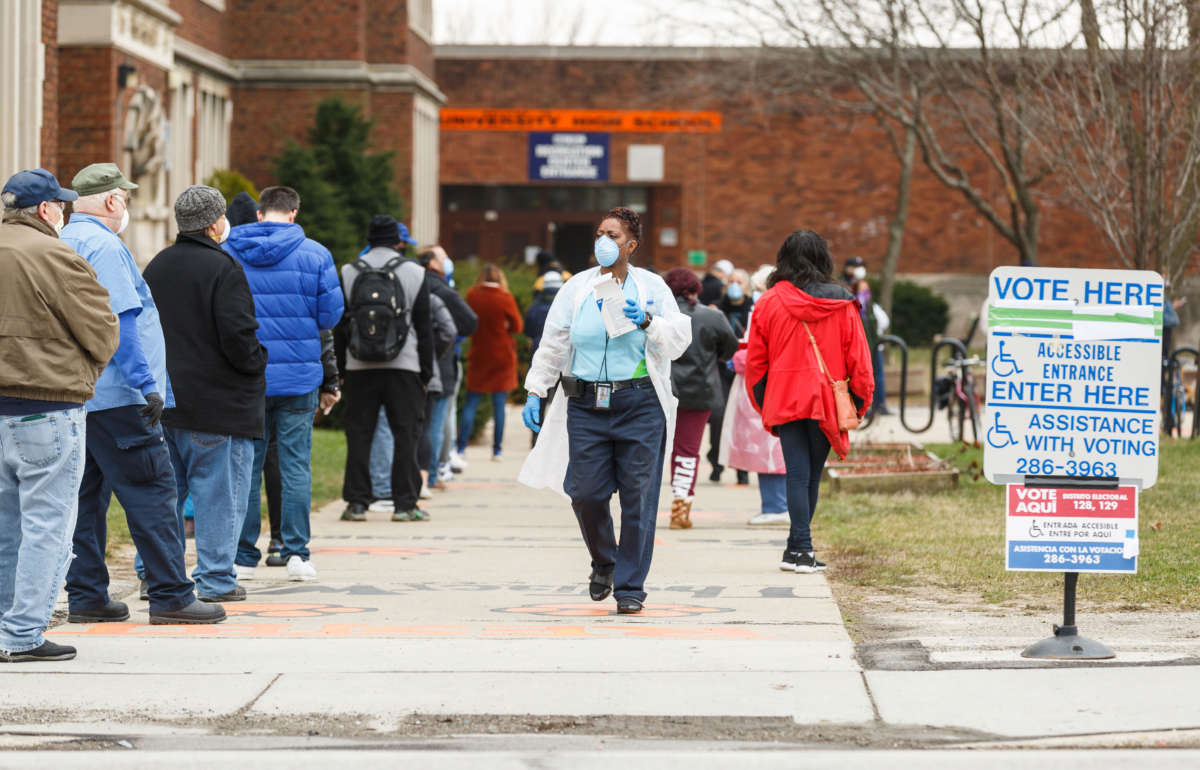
x=127, y=290
x=623, y=358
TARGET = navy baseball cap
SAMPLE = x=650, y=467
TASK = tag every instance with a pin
x=37, y=186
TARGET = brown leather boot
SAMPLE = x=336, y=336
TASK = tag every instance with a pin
x=681, y=511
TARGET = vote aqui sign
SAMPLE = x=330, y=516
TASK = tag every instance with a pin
x=1072, y=530
x=1074, y=361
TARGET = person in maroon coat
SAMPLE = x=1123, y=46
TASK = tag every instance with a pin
x=786, y=381
x=492, y=359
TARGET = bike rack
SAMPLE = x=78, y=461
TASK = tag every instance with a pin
x=934, y=368
x=1174, y=363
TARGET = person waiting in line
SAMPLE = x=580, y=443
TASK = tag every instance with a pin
x=546, y=264
x=807, y=333
x=492, y=359
x=697, y=384
x=611, y=433
x=712, y=287
x=58, y=334
x=875, y=322
x=747, y=446
x=535, y=322
x=736, y=302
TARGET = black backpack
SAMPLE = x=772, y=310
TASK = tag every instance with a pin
x=378, y=322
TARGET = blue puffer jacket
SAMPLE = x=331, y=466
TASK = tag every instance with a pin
x=296, y=294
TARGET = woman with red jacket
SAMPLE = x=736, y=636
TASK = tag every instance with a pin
x=785, y=380
x=492, y=359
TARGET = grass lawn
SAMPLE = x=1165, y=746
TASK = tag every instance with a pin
x=328, y=464
x=954, y=540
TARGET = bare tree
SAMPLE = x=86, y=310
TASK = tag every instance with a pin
x=1127, y=120
x=522, y=22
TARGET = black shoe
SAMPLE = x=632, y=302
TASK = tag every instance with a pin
x=743, y=478
x=276, y=546
x=238, y=594
x=276, y=560
x=194, y=614
x=799, y=561
x=113, y=612
x=628, y=606
x=715, y=476
x=48, y=651
x=144, y=591
x=354, y=512
x=600, y=585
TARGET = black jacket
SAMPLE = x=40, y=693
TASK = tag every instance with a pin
x=694, y=375
x=738, y=315
x=214, y=359
x=465, y=323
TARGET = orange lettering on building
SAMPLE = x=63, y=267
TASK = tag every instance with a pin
x=646, y=121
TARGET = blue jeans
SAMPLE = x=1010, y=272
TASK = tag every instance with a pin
x=804, y=451
x=437, y=427
x=880, y=399
x=214, y=470
x=772, y=491
x=383, y=449
x=290, y=418
x=617, y=450
x=41, y=465
x=468, y=420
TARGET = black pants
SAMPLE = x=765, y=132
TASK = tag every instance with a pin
x=716, y=418
x=425, y=445
x=402, y=396
x=805, y=449
x=129, y=458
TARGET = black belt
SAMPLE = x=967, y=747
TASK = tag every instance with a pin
x=576, y=388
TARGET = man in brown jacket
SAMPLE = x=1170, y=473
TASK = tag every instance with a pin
x=56, y=334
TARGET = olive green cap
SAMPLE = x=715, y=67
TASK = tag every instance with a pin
x=100, y=178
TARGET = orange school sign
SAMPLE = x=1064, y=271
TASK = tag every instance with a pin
x=653, y=121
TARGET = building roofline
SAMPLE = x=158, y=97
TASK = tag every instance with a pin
x=593, y=52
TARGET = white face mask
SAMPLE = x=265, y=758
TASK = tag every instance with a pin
x=62, y=221
x=224, y=236
x=124, y=221
x=859, y=273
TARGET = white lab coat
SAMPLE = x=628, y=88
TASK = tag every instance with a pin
x=667, y=337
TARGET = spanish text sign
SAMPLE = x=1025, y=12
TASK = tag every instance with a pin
x=1072, y=530
x=1074, y=360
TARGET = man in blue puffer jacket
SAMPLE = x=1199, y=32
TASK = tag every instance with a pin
x=297, y=295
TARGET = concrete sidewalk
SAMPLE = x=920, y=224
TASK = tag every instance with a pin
x=479, y=621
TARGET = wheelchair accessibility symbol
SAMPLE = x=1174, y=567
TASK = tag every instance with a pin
x=1034, y=530
x=1004, y=365
x=999, y=436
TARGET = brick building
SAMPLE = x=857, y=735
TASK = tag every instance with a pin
x=499, y=149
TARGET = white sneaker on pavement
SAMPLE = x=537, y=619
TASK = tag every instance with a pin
x=767, y=519
x=244, y=572
x=382, y=506
x=497, y=457
x=299, y=569
x=425, y=493
x=458, y=463
x=445, y=473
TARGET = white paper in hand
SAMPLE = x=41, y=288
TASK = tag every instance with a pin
x=612, y=301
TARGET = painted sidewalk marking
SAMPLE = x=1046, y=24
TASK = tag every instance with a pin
x=363, y=631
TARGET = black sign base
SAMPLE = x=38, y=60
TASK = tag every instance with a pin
x=1067, y=644
x=1064, y=646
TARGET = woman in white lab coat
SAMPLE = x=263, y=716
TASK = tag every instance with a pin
x=610, y=336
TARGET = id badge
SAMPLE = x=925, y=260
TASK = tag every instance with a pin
x=604, y=395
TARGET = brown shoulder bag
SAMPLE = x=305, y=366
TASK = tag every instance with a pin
x=847, y=415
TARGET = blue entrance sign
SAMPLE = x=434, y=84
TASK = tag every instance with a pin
x=568, y=157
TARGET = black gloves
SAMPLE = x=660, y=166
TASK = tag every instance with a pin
x=152, y=411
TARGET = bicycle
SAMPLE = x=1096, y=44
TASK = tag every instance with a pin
x=963, y=402
x=1174, y=395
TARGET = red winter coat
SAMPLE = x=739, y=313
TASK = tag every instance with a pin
x=782, y=373
x=492, y=359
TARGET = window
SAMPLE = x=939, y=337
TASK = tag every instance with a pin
x=214, y=113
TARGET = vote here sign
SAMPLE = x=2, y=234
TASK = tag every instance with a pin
x=1072, y=530
x=1074, y=360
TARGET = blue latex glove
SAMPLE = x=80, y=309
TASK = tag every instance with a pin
x=634, y=313
x=532, y=413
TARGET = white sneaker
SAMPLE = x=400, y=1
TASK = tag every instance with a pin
x=445, y=473
x=299, y=569
x=243, y=572
x=425, y=493
x=382, y=506
x=768, y=519
x=497, y=458
x=458, y=463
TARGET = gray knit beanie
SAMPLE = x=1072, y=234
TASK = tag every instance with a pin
x=198, y=207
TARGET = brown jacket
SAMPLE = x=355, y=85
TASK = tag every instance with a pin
x=57, y=330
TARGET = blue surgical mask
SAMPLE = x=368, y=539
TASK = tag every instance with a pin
x=734, y=291
x=606, y=251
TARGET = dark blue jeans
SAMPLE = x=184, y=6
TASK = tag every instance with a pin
x=804, y=451
x=617, y=450
x=468, y=420
x=290, y=420
x=126, y=457
x=880, y=399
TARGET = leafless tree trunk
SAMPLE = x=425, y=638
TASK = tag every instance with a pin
x=905, y=149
